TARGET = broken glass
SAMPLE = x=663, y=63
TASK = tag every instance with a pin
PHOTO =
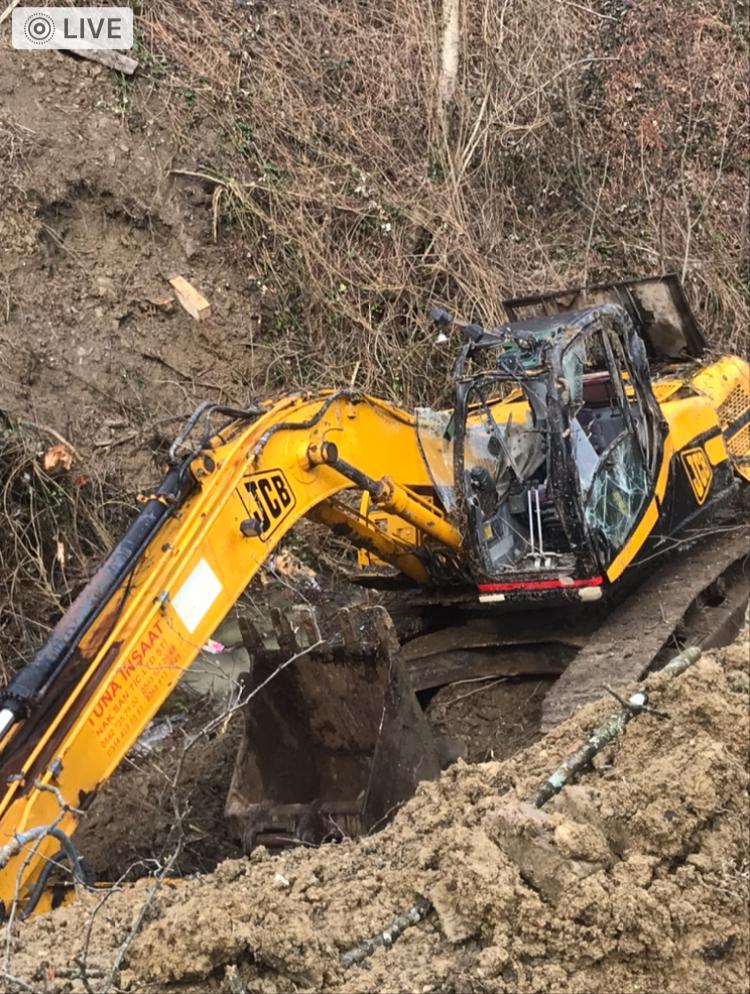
x=574, y=359
x=584, y=454
x=436, y=442
x=498, y=450
x=617, y=492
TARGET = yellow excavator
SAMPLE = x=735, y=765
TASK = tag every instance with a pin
x=589, y=436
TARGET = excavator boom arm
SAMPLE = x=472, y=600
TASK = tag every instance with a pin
x=72, y=714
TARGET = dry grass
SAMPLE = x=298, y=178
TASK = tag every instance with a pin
x=57, y=527
x=573, y=143
x=15, y=141
x=12, y=141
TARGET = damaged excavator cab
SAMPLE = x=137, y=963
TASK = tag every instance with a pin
x=334, y=741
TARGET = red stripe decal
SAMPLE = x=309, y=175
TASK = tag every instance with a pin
x=492, y=588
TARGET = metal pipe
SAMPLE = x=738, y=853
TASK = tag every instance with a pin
x=390, y=496
x=363, y=950
x=367, y=536
x=539, y=522
x=531, y=520
x=574, y=764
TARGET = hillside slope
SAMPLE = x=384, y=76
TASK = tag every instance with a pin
x=324, y=172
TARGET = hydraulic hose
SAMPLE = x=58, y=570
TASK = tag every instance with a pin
x=63, y=642
x=13, y=848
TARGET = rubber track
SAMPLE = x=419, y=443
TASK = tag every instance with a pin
x=623, y=648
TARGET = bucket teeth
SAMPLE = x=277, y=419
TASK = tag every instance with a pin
x=304, y=623
x=296, y=630
x=367, y=633
x=279, y=635
x=350, y=632
x=257, y=632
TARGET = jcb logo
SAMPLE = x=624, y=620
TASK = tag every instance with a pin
x=268, y=499
x=699, y=472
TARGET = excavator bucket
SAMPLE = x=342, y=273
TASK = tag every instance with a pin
x=334, y=738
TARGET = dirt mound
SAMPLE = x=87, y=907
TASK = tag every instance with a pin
x=634, y=879
x=323, y=186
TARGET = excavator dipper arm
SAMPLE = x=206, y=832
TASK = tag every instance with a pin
x=71, y=715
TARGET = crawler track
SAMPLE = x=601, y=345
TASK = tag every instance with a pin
x=702, y=593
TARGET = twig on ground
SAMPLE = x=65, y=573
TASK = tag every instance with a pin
x=489, y=683
x=412, y=916
x=137, y=925
x=9, y=10
x=17, y=984
x=574, y=764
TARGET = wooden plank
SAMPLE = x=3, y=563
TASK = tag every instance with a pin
x=193, y=302
x=9, y=10
x=106, y=57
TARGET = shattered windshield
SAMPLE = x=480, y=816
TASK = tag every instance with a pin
x=505, y=473
x=435, y=436
x=550, y=454
x=608, y=437
x=503, y=461
x=617, y=492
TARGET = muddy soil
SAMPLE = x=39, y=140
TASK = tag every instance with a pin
x=636, y=878
x=92, y=211
x=176, y=793
x=493, y=719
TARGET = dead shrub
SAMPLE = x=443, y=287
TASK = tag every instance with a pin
x=58, y=524
x=380, y=158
